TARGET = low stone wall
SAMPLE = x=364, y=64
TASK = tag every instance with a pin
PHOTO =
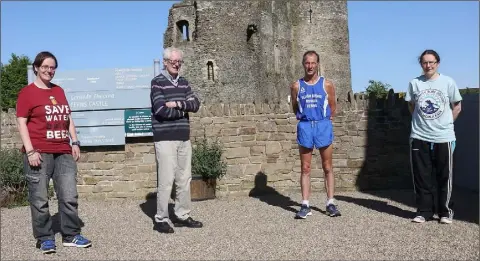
x=259, y=138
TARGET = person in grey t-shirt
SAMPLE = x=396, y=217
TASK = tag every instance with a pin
x=435, y=103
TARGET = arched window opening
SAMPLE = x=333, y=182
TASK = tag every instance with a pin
x=210, y=72
x=183, y=30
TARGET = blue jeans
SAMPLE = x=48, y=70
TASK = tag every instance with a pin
x=62, y=168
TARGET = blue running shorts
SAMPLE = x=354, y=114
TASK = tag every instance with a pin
x=315, y=133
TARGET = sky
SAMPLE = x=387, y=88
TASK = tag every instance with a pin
x=386, y=37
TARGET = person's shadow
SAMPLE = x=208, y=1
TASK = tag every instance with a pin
x=269, y=195
x=377, y=205
x=149, y=207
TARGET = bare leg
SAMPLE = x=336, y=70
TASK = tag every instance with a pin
x=326, y=154
x=306, y=160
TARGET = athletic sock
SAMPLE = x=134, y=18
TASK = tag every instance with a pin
x=305, y=202
x=329, y=201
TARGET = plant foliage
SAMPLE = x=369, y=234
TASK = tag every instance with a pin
x=377, y=89
x=11, y=169
x=13, y=78
x=207, y=160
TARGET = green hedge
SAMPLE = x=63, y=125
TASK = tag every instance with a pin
x=11, y=169
x=469, y=90
x=12, y=178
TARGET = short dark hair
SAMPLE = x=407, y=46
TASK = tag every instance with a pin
x=310, y=52
x=429, y=51
x=41, y=57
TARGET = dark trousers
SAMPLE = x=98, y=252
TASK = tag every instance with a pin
x=432, y=170
x=62, y=169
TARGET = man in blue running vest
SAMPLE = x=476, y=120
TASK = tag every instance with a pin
x=314, y=103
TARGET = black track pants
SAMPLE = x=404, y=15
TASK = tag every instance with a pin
x=432, y=166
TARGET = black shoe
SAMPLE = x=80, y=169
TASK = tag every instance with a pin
x=163, y=227
x=189, y=222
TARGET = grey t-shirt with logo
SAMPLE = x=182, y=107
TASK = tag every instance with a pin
x=432, y=118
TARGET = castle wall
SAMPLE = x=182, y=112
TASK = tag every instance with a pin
x=370, y=150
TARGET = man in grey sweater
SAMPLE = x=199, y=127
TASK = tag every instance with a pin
x=172, y=99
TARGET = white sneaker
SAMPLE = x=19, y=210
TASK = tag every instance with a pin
x=418, y=219
x=445, y=220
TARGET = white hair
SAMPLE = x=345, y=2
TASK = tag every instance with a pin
x=167, y=53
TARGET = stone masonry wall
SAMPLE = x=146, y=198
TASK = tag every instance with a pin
x=251, y=51
x=258, y=138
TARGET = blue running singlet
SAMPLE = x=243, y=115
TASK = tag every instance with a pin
x=314, y=128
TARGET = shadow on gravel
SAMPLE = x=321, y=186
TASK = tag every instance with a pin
x=272, y=197
x=465, y=203
x=149, y=207
x=56, y=223
x=377, y=205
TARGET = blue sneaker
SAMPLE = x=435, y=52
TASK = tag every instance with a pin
x=47, y=246
x=304, y=212
x=77, y=241
x=333, y=211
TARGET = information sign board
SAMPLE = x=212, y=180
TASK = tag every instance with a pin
x=116, y=88
x=98, y=118
x=138, y=123
x=108, y=104
x=101, y=136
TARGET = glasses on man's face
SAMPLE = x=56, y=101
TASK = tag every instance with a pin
x=46, y=67
x=173, y=62
x=429, y=63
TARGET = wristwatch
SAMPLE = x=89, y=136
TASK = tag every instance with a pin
x=76, y=143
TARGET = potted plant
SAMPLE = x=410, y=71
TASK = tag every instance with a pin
x=207, y=167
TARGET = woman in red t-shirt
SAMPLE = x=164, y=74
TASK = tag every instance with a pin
x=46, y=127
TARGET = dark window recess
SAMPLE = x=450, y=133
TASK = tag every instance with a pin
x=210, y=73
x=251, y=29
x=183, y=30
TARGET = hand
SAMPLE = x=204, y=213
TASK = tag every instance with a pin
x=76, y=152
x=35, y=159
x=331, y=118
x=171, y=104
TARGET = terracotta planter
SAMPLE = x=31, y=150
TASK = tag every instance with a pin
x=202, y=189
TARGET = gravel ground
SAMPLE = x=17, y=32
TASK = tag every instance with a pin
x=248, y=228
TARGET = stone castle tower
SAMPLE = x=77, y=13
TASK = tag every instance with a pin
x=251, y=51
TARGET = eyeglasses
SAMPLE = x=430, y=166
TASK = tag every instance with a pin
x=173, y=62
x=428, y=63
x=46, y=67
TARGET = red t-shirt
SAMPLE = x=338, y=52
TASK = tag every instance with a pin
x=47, y=112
